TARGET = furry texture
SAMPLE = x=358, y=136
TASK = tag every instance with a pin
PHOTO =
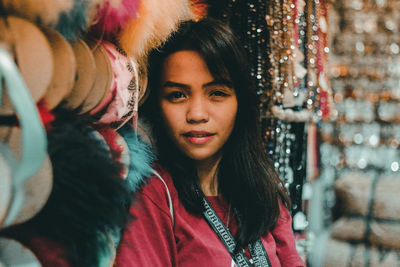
x=44, y=12
x=156, y=21
x=134, y=37
x=89, y=202
x=141, y=158
x=93, y=6
x=113, y=15
x=110, y=137
x=176, y=11
x=72, y=24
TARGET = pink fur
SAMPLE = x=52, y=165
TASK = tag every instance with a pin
x=137, y=31
x=114, y=15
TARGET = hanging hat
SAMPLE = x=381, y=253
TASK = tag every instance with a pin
x=64, y=69
x=5, y=185
x=85, y=74
x=34, y=191
x=137, y=32
x=13, y=253
x=173, y=12
x=121, y=103
x=89, y=201
x=143, y=80
x=104, y=78
x=44, y=12
x=32, y=53
x=155, y=22
x=23, y=149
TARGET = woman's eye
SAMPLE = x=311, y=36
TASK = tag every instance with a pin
x=218, y=93
x=175, y=95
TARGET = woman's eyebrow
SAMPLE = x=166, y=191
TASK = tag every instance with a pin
x=219, y=82
x=175, y=85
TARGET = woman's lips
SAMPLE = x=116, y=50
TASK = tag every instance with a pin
x=198, y=137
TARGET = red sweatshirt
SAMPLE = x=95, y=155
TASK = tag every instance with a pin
x=152, y=239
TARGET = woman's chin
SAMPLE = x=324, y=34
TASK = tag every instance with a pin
x=202, y=156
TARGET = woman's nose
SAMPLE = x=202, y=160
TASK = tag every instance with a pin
x=197, y=110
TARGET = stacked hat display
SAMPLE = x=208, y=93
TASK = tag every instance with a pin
x=74, y=75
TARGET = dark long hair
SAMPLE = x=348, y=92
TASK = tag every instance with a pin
x=246, y=177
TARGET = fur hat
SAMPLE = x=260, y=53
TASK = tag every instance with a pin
x=85, y=75
x=36, y=68
x=64, y=69
x=155, y=22
x=71, y=24
x=89, y=201
x=44, y=12
x=112, y=15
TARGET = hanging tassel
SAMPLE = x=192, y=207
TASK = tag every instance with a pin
x=43, y=12
x=113, y=15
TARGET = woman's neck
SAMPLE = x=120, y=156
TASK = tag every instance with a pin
x=208, y=178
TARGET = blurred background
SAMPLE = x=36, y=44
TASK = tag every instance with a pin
x=327, y=73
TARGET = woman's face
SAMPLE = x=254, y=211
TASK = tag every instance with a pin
x=199, y=111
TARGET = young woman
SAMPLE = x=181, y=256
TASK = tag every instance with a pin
x=218, y=200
